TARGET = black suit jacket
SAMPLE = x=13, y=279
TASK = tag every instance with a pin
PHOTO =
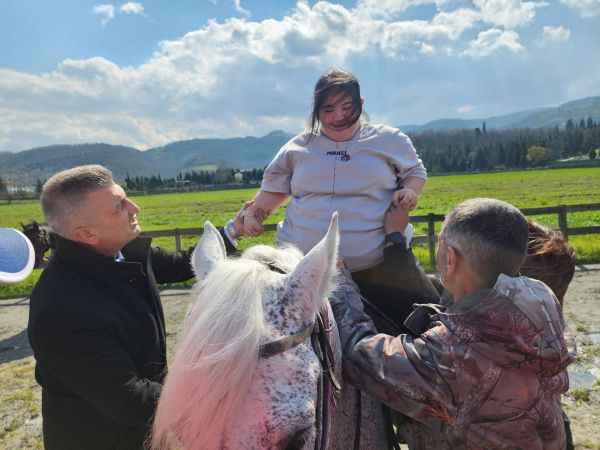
x=97, y=330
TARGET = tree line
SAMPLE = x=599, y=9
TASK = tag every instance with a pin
x=193, y=179
x=449, y=151
x=482, y=149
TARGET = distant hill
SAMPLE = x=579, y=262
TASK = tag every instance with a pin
x=241, y=153
x=533, y=118
x=39, y=163
x=245, y=152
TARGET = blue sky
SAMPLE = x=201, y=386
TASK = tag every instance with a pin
x=151, y=72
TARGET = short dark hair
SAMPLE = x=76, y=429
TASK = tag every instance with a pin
x=550, y=259
x=64, y=192
x=490, y=234
x=332, y=82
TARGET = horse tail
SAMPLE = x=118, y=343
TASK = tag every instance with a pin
x=215, y=361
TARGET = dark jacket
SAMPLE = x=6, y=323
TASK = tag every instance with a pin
x=487, y=375
x=97, y=330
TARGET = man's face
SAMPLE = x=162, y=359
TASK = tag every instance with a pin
x=335, y=116
x=111, y=218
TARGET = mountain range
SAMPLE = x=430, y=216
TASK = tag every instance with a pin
x=532, y=118
x=27, y=166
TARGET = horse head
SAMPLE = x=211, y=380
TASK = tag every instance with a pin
x=236, y=382
x=39, y=236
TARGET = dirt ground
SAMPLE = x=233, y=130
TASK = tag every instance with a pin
x=20, y=408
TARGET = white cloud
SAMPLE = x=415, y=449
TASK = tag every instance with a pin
x=492, y=40
x=132, y=8
x=586, y=8
x=392, y=8
x=465, y=109
x=427, y=49
x=556, y=34
x=238, y=7
x=230, y=78
x=508, y=13
x=105, y=11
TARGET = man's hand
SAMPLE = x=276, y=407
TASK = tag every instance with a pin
x=405, y=198
x=396, y=219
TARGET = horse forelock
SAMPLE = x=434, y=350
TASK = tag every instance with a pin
x=284, y=258
x=216, y=379
x=215, y=359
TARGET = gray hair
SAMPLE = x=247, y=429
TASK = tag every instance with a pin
x=65, y=191
x=490, y=234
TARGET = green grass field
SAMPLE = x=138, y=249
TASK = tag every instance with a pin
x=523, y=189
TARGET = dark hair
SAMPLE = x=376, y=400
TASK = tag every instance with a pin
x=491, y=235
x=330, y=83
x=550, y=259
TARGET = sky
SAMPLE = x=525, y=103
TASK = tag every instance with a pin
x=148, y=73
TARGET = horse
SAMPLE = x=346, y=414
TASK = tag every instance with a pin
x=39, y=235
x=244, y=374
x=220, y=382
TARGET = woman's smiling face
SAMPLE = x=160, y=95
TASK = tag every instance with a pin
x=337, y=117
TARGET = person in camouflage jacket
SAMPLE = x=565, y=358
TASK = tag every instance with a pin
x=489, y=371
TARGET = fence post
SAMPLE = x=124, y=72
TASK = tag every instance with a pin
x=562, y=220
x=177, y=239
x=431, y=238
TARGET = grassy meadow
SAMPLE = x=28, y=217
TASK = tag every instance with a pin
x=523, y=189
x=20, y=415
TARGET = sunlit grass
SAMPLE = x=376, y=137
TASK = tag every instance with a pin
x=525, y=189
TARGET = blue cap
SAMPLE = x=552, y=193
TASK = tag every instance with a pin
x=17, y=256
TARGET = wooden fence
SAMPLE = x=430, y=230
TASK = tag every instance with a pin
x=430, y=219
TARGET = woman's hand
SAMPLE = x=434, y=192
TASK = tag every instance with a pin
x=252, y=219
x=405, y=198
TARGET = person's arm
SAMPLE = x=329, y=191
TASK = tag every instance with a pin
x=262, y=207
x=410, y=170
x=275, y=188
x=403, y=372
x=414, y=183
x=91, y=362
x=173, y=267
x=408, y=195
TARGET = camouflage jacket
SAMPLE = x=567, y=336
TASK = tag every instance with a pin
x=487, y=374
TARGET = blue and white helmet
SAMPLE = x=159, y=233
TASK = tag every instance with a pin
x=17, y=256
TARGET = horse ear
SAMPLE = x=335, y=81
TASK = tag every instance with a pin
x=312, y=278
x=208, y=252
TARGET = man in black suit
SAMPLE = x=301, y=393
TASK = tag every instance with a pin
x=96, y=324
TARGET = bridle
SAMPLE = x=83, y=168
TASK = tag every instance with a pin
x=328, y=385
x=285, y=343
x=288, y=342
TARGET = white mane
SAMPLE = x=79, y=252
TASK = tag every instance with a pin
x=218, y=352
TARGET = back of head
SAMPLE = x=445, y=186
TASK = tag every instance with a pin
x=65, y=191
x=490, y=234
x=550, y=259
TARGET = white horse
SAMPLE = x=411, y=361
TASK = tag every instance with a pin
x=245, y=375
